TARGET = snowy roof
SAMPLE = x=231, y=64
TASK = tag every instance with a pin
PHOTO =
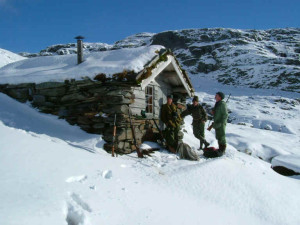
x=60, y=68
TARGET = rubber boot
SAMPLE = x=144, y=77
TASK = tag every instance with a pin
x=222, y=149
x=206, y=144
x=201, y=146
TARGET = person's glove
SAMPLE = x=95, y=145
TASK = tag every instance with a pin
x=210, y=127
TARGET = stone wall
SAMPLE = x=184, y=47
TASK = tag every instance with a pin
x=91, y=105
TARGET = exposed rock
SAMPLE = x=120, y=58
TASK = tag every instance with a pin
x=284, y=171
x=169, y=39
x=227, y=55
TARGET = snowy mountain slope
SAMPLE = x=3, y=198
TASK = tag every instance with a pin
x=67, y=49
x=48, y=181
x=54, y=173
x=268, y=120
x=252, y=58
x=7, y=57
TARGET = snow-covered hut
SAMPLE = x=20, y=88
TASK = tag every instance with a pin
x=106, y=83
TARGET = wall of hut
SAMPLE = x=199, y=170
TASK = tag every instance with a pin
x=92, y=106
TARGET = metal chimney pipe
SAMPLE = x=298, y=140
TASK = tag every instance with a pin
x=79, y=49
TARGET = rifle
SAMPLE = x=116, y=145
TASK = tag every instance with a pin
x=140, y=155
x=210, y=126
x=161, y=134
x=114, y=137
x=228, y=97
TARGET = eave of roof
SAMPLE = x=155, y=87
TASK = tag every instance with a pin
x=158, y=64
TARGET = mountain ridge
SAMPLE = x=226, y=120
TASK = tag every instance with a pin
x=252, y=58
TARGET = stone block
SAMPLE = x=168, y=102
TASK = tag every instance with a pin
x=62, y=112
x=53, y=92
x=83, y=120
x=99, y=125
x=101, y=90
x=38, y=99
x=47, y=85
x=117, y=99
x=20, y=86
x=73, y=97
x=124, y=147
x=19, y=94
x=111, y=109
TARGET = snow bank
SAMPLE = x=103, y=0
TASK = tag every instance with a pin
x=23, y=117
x=7, y=57
x=47, y=181
x=60, y=68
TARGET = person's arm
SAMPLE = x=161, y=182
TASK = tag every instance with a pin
x=185, y=113
x=164, y=117
x=203, y=114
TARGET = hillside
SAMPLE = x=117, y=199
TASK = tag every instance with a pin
x=55, y=173
x=7, y=57
x=252, y=58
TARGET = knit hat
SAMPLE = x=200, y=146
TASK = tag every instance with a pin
x=221, y=94
x=195, y=99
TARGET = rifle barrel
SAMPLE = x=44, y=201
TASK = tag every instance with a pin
x=140, y=155
x=114, y=137
x=228, y=97
x=160, y=132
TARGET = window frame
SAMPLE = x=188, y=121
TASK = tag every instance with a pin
x=149, y=99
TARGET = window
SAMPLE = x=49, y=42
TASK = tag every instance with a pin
x=149, y=99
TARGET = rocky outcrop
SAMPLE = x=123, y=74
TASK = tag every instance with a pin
x=252, y=58
x=285, y=171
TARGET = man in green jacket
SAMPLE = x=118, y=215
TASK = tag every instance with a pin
x=199, y=118
x=220, y=115
x=171, y=118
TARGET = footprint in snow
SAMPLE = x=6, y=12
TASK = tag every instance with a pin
x=107, y=174
x=77, y=210
x=80, y=179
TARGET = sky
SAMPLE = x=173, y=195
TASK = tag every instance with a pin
x=32, y=25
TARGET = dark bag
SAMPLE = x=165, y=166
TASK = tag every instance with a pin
x=212, y=152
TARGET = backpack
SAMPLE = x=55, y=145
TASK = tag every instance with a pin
x=212, y=152
x=186, y=152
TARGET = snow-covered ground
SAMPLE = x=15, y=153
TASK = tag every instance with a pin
x=55, y=173
x=7, y=57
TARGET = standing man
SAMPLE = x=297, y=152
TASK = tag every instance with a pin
x=220, y=115
x=199, y=118
x=171, y=118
